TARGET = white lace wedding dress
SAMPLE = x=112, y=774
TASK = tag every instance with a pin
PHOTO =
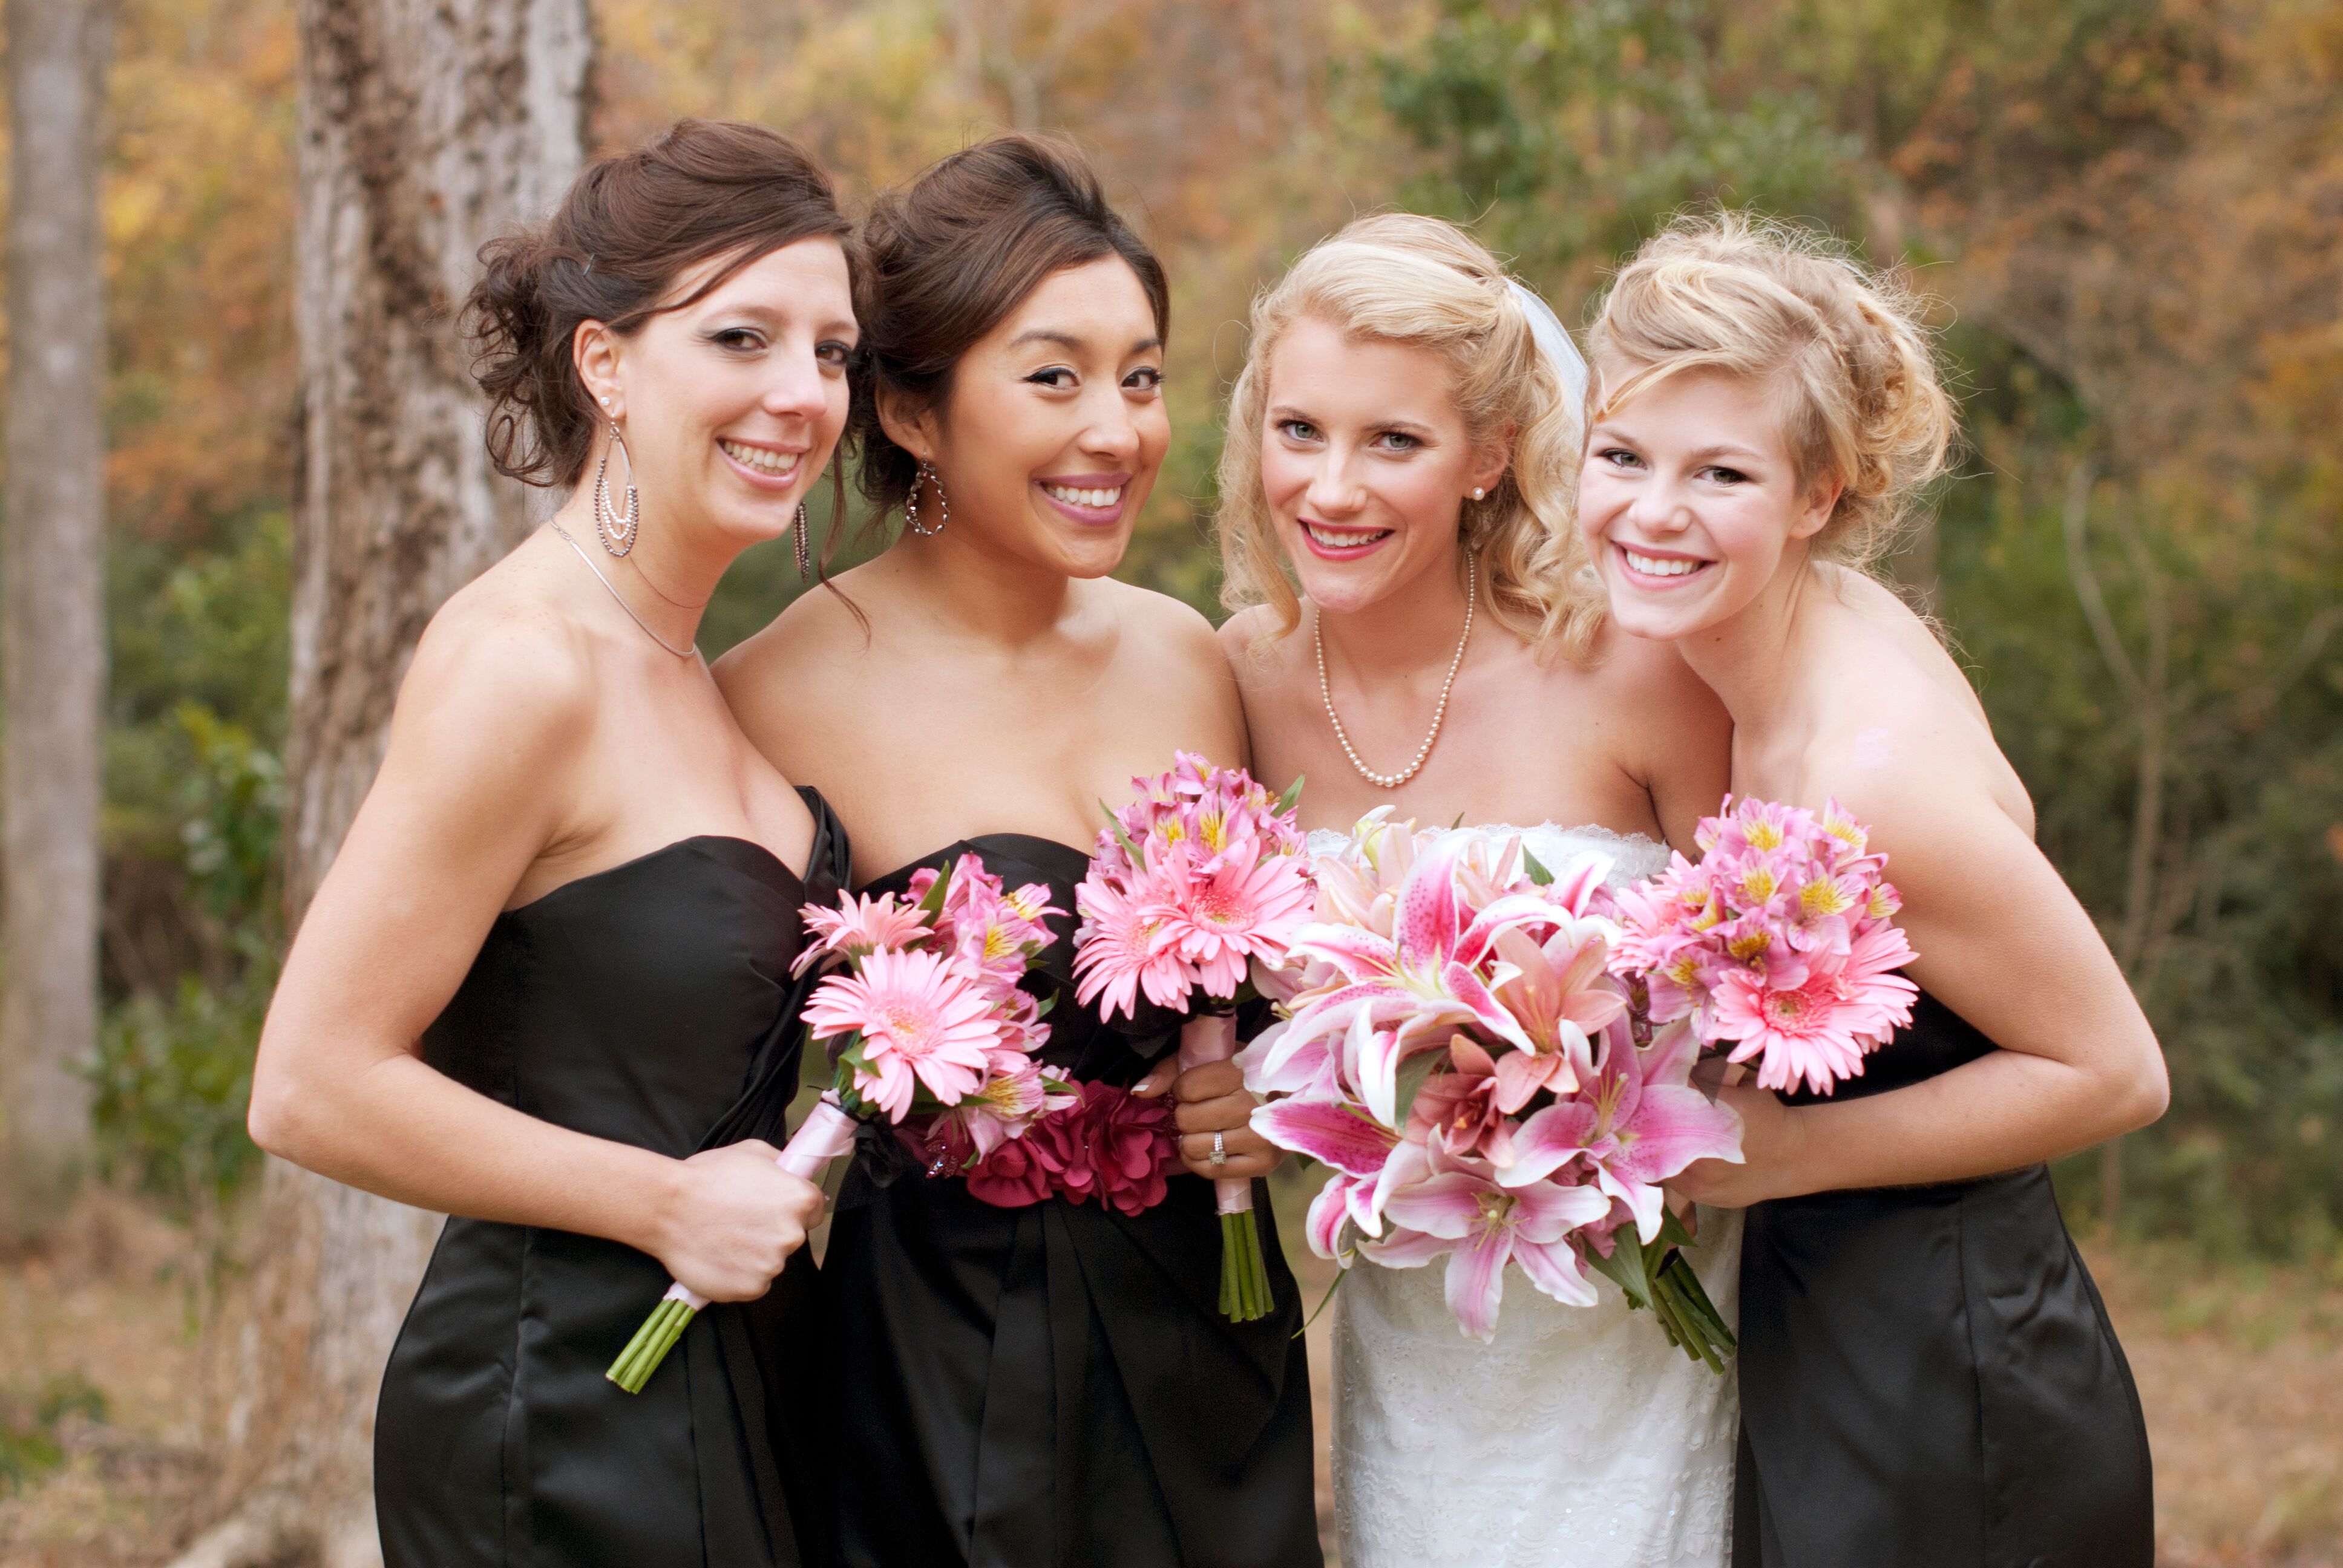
x=1579, y=1439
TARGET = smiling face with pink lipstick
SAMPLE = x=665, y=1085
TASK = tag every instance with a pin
x=1691, y=501
x=1054, y=428
x=1366, y=464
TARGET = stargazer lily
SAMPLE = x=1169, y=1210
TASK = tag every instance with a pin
x=1416, y=986
x=1638, y=1123
x=1461, y=1211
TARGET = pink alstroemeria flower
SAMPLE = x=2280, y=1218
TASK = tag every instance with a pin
x=924, y=1018
x=1423, y=978
x=1483, y=1226
x=1636, y=1123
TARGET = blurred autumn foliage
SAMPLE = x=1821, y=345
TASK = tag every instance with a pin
x=2131, y=211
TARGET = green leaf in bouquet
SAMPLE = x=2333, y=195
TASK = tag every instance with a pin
x=1410, y=1080
x=1293, y=795
x=933, y=905
x=1626, y=1267
x=1536, y=868
x=1114, y=825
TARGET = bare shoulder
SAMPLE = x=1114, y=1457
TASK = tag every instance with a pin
x=501, y=649
x=1650, y=683
x=1898, y=747
x=1158, y=615
x=1880, y=605
x=1254, y=650
x=495, y=714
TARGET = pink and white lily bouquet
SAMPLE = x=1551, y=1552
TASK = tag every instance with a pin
x=935, y=1035
x=1780, y=939
x=1458, y=1048
x=1200, y=879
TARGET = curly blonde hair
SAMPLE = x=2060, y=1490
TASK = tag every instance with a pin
x=1863, y=402
x=1400, y=278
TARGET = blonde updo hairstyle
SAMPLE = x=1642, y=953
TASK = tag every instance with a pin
x=1843, y=349
x=1400, y=278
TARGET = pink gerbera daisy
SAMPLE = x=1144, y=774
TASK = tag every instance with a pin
x=1119, y=957
x=923, y=1019
x=1218, y=914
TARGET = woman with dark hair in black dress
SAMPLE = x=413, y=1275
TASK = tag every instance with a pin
x=545, y=986
x=1029, y=1380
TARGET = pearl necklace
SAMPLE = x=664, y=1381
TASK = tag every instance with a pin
x=1326, y=693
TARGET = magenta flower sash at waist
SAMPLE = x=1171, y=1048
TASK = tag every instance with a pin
x=1113, y=1147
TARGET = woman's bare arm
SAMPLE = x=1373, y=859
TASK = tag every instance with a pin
x=2003, y=942
x=485, y=744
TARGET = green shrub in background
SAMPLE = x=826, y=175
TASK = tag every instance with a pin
x=173, y=1076
x=31, y=1427
x=173, y=1073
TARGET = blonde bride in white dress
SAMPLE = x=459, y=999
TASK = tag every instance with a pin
x=1403, y=440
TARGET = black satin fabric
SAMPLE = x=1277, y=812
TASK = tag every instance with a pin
x=1928, y=1377
x=650, y=1003
x=1054, y=1385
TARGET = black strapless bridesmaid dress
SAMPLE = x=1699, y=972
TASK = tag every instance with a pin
x=1054, y=1385
x=1928, y=1378
x=650, y=1003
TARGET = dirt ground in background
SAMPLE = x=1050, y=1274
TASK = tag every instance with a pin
x=2241, y=1373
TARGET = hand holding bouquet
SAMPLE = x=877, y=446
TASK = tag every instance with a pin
x=931, y=1028
x=1200, y=877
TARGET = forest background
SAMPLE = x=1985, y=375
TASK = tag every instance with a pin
x=2131, y=212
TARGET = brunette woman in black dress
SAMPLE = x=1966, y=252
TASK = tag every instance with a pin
x=545, y=986
x=1049, y=1382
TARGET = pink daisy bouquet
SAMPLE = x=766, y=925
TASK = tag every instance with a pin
x=1196, y=880
x=1457, y=1050
x=932, y=1033
x=1780, y=939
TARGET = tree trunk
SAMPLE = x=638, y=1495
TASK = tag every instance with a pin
x=53, y=618
x=426, y=126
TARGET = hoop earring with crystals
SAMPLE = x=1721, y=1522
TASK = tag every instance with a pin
x=805, y=552
x=617, y=527
x=927, y=476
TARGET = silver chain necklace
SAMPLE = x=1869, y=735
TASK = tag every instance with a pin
x=1326, y=693
x=690, y=652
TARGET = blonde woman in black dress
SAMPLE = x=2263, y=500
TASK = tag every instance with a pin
x=1928, y=1375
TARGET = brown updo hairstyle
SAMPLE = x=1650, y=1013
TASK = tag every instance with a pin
x=628, y=229
x=949, y=258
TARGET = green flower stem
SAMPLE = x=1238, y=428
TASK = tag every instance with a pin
x=1245, y=1271
x=651, y=1345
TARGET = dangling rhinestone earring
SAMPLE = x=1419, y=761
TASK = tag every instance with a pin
x=927, y=476
x=617, y=528
x=805, y=552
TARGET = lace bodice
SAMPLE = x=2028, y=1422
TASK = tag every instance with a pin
x=1578, y=1439
x=1633, y=856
